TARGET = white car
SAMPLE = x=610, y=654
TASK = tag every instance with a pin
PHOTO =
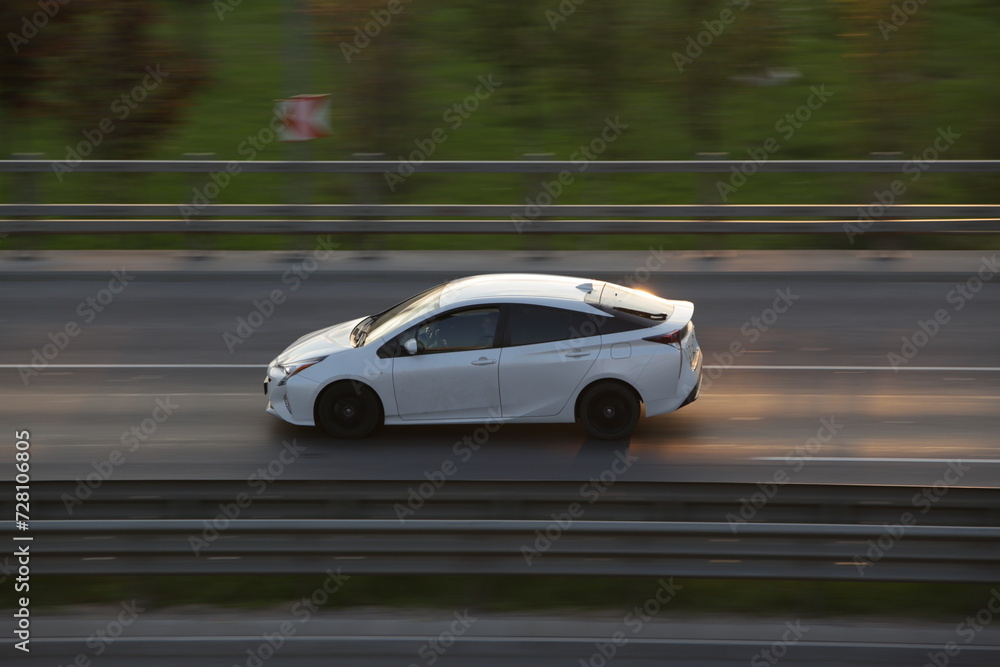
x=502, y=348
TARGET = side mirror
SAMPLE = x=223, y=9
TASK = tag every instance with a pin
x=411, y=346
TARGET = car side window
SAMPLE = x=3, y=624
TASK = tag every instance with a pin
x=472, y=329
x=531, y=324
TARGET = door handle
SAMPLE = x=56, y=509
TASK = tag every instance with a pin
x=577, y=354
x=483, y=361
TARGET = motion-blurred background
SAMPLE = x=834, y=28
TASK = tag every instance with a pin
x=687, y=79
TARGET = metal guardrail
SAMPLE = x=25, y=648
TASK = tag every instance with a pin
x=540, y=227
x=646, y=211
x=502, y=166
x=612, y=548
x=509, y=500
x=633, y=528
x=524, y=218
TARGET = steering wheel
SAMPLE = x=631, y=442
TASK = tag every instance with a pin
x=430, y=338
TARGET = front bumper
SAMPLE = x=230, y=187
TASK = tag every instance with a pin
x=292, y=401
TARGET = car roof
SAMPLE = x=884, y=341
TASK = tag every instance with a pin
x=517, y=286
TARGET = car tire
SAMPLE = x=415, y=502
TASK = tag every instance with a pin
x=348, y=410
x=609, y=411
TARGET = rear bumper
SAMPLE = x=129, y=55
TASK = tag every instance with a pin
x=693, y=396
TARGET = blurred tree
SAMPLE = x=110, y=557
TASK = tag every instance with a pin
x=883, y=49
x=590, y=49
x=375, y=48
x=702, y=80
x=32, y=44
x=515, y=38
x=101, y=70
x=126, y=68
x=761, y=38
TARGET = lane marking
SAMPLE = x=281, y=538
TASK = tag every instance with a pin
x=932, y=369
x=870, y=459
x=160, y=393
x=929, y=369
x=137, y=366
x=798, y=395
x=330, y=638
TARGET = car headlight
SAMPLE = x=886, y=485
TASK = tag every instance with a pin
x=291, y=368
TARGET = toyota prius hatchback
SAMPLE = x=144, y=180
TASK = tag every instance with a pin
x=502, y=348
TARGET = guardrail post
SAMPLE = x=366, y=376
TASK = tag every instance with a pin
x=24, y=185
x=196, y=187
x=534, y=210
x=368, y=189
x=886, y=245
x=708, y=195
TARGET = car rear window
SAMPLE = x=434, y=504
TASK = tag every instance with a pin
x=530, y=324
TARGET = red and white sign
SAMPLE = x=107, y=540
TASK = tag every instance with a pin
x=304, y=117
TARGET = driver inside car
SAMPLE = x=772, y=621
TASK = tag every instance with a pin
x=469, y=330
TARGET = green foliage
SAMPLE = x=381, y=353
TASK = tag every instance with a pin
x=98, y=68
x=560, y=80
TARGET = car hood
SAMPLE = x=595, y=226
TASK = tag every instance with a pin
x=322, y=342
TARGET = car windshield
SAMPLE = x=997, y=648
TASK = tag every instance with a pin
x=374, y=327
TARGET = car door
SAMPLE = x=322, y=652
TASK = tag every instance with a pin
x=548, y=352
x=455, y=371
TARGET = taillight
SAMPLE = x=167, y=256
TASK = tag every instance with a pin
x=672, y=338
x=667, y=339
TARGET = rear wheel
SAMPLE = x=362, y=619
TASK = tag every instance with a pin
x=609, y=411
x=348, y=410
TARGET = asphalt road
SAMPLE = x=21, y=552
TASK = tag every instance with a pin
x=520, y=651
x=378, y=638
x=888, y=427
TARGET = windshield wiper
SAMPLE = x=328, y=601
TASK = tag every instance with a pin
x=641, y=313
x=360, y=330
x=356, y=331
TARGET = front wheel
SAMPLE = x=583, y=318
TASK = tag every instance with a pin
x=609, y=411
x=348, y=410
